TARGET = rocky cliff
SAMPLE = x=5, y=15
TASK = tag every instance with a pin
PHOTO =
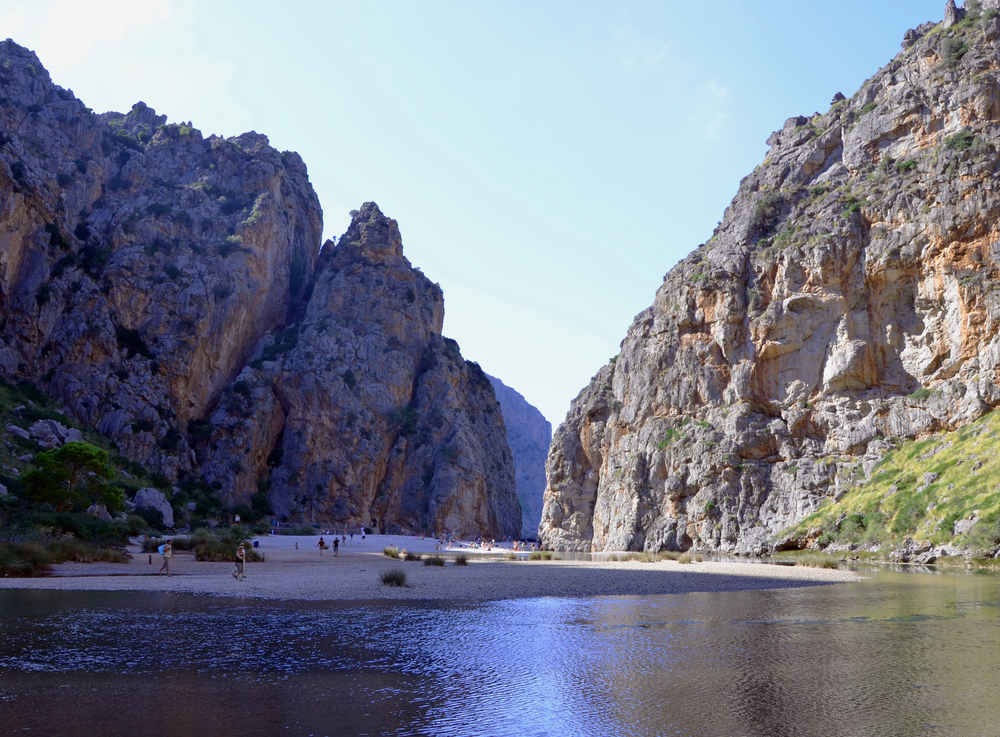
x=170, y=290
x=360, y=411
x=847, y=301
x=529, y=435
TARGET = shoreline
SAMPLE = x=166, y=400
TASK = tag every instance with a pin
x=354, y=575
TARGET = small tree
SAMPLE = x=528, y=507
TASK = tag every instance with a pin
x=73, y=476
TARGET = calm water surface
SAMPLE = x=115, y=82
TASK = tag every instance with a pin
x=900, y=654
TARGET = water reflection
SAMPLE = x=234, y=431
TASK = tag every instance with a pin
x=897, y=655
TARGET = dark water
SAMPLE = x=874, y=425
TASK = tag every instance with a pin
x=897, y=655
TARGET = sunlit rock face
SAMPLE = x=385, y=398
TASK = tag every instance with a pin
x=170, y=289
x=361, y=412
x=847, y=300
x=140, y=262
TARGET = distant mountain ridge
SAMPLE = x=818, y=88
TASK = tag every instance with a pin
x=529, y=435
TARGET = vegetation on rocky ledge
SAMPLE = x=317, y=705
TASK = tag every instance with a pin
x=938, y=489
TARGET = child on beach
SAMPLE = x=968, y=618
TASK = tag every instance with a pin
x=321, y=545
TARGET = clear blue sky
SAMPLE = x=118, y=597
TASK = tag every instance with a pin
x=547, y=162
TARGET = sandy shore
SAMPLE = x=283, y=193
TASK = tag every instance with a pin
x=354, y=575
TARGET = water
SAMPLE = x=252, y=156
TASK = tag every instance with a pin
x=896, y=655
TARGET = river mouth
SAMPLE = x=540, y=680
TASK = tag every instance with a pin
x=896, y=654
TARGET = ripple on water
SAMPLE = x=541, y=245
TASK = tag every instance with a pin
x=890, y=656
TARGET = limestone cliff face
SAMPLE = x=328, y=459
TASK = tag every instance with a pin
x=529, y=435
x=361, y=412
x=170, y=290
x=847, y=300
x=139, y=262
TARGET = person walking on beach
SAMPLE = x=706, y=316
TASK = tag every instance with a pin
x=336, y=545
x=321, y=545
x=240, y=571
x=167, y=551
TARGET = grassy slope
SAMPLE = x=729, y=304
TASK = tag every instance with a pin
x=899, y=501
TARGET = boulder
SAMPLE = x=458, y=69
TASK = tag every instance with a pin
x=52, y=434
x=149, y=498
x=19, y=431
x=962, y=526
x=952, y=14
x=100, y=511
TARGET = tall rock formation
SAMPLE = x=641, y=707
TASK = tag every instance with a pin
x=361, y=412
x=847, y=300
x=170, y=289
x=140, y=263
x=529, y=435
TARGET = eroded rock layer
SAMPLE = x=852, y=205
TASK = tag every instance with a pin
x=169, y=289
x=848, y=299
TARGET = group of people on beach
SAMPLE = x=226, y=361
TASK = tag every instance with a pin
x=337, y=541
x=166, y=551
x=483, y=543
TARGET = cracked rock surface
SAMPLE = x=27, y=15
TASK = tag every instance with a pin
x=847, y=300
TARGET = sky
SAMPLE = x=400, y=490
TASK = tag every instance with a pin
x=547, y=162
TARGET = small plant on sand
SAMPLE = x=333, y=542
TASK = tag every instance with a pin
x=540, y=555
x=685, y=558
x=817, y=560
x=434, y=560
x=511, y=556
x=23, y=559
x=390, y=551
x=405, y=555
x=394, y=577
x=461, y=560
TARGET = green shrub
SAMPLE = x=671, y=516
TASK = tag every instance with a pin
x=136, y=525
x=960, y=141
x=23, y=560
x=407, y=555
x=920, y=394
x=461, y=560
x=209, y=546
x=434, y=560
x=765, y=213
x=73, y=476
x=394, y=577
x=905, y=166
x=851, y=205
x=952, y=50
x=390, y=551
x=816, y=560
x=80, y=551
